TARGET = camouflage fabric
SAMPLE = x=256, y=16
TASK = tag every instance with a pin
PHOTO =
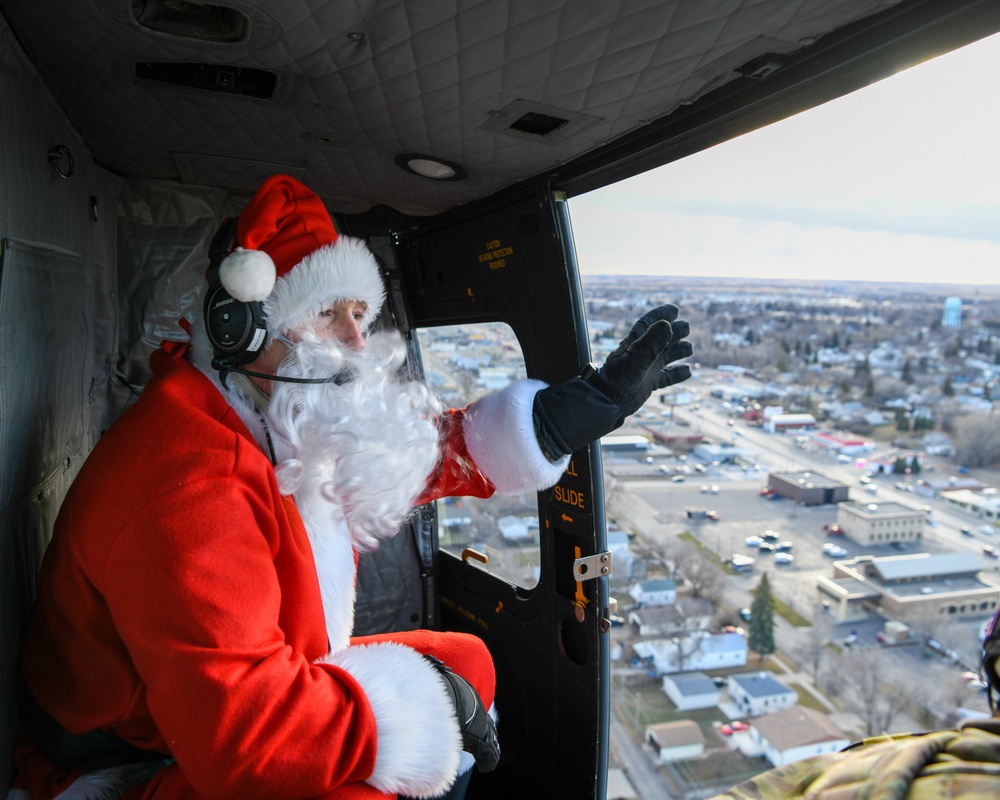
x=962, y=764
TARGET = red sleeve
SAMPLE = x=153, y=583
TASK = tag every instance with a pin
x=457, y=473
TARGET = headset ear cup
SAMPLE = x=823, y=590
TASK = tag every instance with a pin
x=236, y=330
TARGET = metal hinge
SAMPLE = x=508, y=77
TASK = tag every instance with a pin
x=590, y=567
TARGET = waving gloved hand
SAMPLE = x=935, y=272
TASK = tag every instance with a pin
x=479, y=734
x=572, y=414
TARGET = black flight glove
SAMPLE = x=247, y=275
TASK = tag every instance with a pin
x=574, y=413
x=479, y=734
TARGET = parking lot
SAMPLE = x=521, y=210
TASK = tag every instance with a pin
x=743, y=512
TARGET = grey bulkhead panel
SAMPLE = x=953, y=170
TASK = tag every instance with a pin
x=56, y=333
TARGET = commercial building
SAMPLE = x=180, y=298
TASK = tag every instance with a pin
x=782, y=423
x=807, y=488
x=880, y=523
x=979, y=505
x=910, y=588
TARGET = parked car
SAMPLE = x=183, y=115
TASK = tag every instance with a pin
x=753, y=541
x=783, y=558
x=745, y=614
x=989, y=551
x=726, y=730
x=712, y=515
x=714, y=489
x=783, y=547
x=739, y=726
x=833, y=550
x=871, y=488
x=833, y=530
x=966, y=531
x=987, y=530
x=678, y=479
x=770, y=536
x=766, y=548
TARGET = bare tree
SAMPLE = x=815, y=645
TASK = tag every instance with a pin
x=812, y=648
x=879, y=699
x=977, y=440
x=701, y=574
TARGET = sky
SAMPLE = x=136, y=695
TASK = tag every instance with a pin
x=899, y=181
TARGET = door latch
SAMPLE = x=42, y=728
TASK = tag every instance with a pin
x=590, y=567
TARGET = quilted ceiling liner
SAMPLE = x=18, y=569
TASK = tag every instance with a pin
x=358, y=83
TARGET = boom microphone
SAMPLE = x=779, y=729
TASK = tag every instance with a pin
x=223, y=367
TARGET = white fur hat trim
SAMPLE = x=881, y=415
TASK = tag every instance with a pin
x=344, y=270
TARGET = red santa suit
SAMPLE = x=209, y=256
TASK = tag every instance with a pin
x=180, y=607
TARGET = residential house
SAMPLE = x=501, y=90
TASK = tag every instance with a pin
x=796, y=733
x=654, y=592
x=622, y=557
x=695, y=651
x=757, y=693
x=687, y=614
x=690, y=690
x=675, y=741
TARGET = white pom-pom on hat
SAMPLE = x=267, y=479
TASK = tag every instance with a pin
x=248, y=275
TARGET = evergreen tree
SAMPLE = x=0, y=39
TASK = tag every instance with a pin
x=908, y=372
x=948, y=389
x=760, y=637
x=914, y=466
x=899, y=466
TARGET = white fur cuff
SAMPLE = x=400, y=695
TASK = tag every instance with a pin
x=419, y=742
x=500, y=435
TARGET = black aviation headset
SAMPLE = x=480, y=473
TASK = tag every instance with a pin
x=236, y=329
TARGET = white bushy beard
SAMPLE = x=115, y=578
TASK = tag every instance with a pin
x=359, y=452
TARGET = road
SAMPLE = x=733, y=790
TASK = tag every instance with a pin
x=636, y=764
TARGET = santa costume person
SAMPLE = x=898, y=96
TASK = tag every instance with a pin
x=196, y=602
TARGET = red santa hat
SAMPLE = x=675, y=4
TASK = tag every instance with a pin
x=289, y=257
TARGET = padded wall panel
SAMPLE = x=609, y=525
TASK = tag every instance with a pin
x=58, y=233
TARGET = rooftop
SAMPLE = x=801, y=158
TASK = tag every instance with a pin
x=808, y=479
x=759, y=684
x=677, y=734
x=927, y=566
x=876, y=510
x=690, y=683
x=797, y=726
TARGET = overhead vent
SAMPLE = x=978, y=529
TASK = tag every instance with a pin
x=190, y=20
x=244, y=81
x=537, y=124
